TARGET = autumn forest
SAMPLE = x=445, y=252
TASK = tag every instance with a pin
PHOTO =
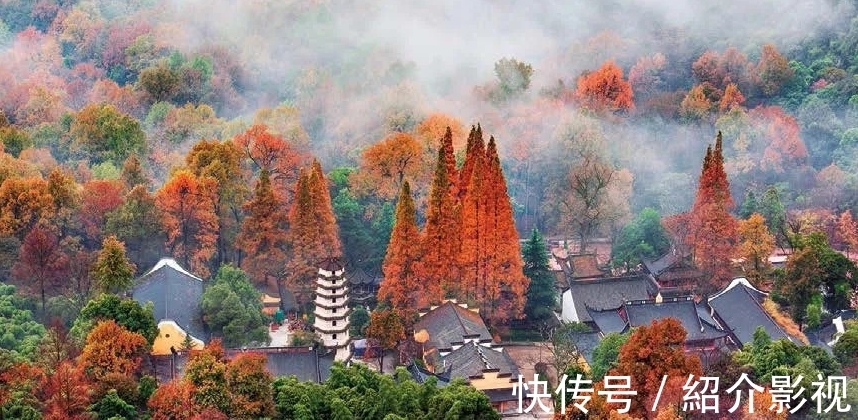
x=422, y=144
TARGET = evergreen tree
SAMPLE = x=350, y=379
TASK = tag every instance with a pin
x=643, y=237
x=231, y=308
x=541, y=295
x=713, y=230
x=401, y=286
x=750, y=205
x=772, y=209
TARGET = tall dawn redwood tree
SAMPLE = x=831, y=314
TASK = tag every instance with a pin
x=440, y=236
x=263, y=234
x=312, y=232
x=713, y=231
x=491, y=264
x=401, y=285
x=508, y=284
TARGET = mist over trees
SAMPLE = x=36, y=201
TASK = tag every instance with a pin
x=265, y=135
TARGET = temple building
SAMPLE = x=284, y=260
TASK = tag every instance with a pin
x=175, y=295
x=332, y=309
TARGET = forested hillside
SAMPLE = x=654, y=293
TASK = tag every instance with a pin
x=266, y=134
x=369, y=90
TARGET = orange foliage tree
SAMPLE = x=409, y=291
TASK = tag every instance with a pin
x=250, y=387
x=401, y=285
x=651, y=352
x=434, y=127
x=440, y=238
x=187, y=205
x=763, y=408
x=732, y=98
x=98, y=198
x=780, y=133
x=312, y=232
x=172, y=401
x=273, y=153
x=66, y=393
x=755, y=246
x=263, y=236
x=490, y=257
x=719, y=70
x=386, y=330
x=24, y=202
x=605, y=89
x=773, y=70
x=387, y=164
x=112, y=349
x=712, y=229
x=847, y=231
x=222, y=162
x=19, y=382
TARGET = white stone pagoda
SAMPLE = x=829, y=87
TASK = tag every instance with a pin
x=332, y=309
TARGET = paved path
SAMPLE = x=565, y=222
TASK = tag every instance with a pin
x=280, y=337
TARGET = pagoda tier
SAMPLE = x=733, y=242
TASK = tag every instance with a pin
x=332, y=311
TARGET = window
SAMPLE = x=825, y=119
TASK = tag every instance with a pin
x=334, y=337
x=334, y=323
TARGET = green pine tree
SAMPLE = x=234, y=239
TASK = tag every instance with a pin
x=541, y=294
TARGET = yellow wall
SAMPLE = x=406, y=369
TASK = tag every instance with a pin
x=170, y=335
x=490, y=380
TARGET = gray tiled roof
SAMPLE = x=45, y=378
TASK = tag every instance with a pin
x=451, y=323
x=608, y=321
x=683, y=310
x=302, y=362
x=738, y=306
x=472, y=359
x=360, y=276
x=586, y=342
x=175, y=294
x=655, y=267
x=420, y=375
x=609, y=293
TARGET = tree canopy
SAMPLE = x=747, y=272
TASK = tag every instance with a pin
x=232, y=309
